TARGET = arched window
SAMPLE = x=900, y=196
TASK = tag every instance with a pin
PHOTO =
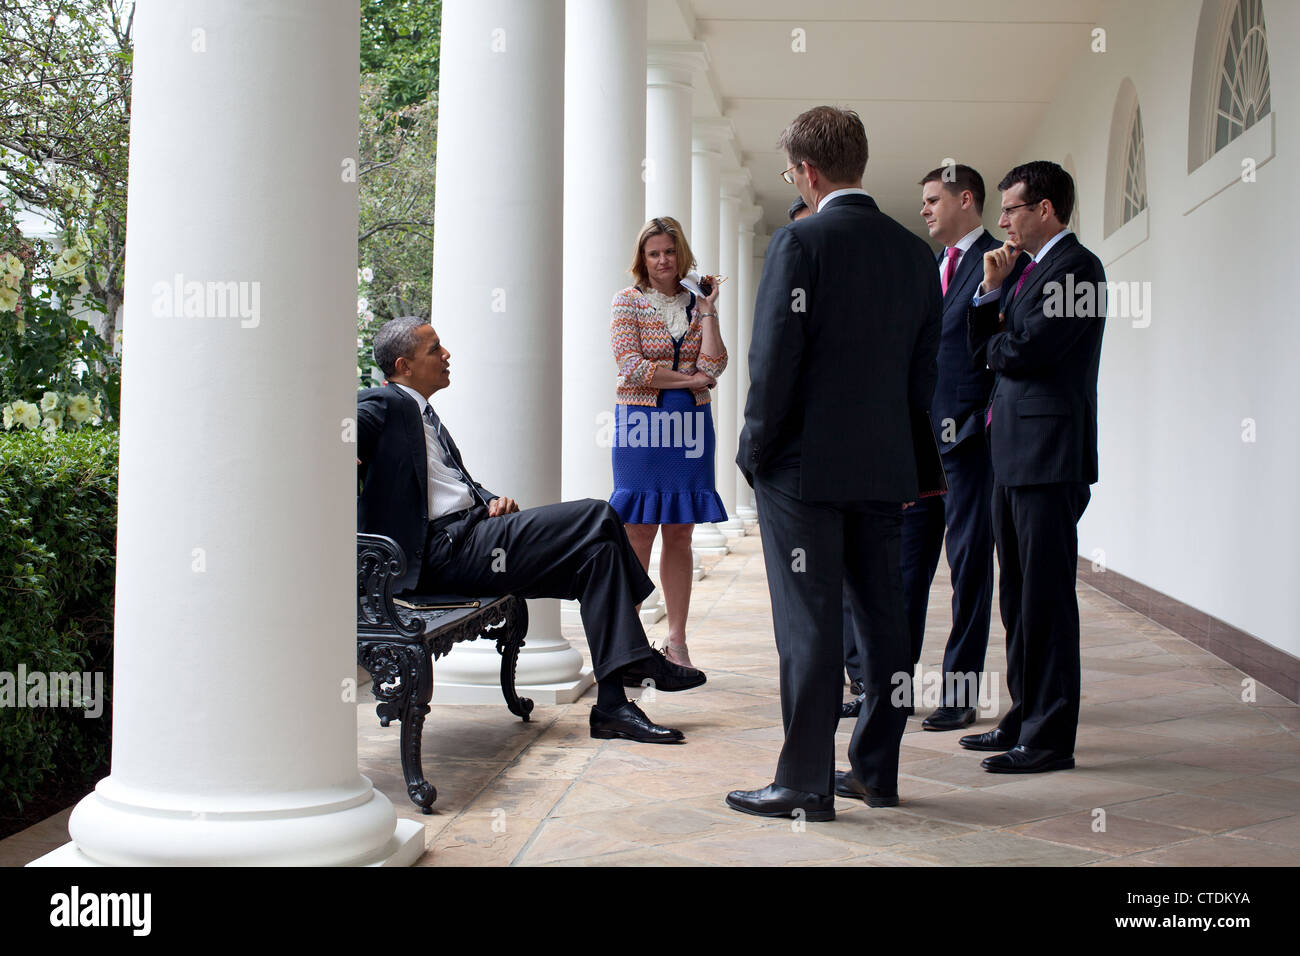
x=1231, y=87
x=1243, y=85
x=1135, y=172
x=1126, y=163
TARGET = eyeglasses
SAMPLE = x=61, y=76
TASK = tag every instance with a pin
x=788, y=175
x=1007, y=209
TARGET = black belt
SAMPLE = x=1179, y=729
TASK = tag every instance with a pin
x=437, y=524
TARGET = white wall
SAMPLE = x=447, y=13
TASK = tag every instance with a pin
x=1183, y=504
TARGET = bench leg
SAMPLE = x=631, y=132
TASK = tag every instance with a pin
x=402, y=681
x=508, y=645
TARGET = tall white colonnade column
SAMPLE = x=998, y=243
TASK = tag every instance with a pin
x=234, y=732
x=669, y=98
x=604, y=205
x=734, y=184
x=708, y=137
x=748, y=267
x=498, y=294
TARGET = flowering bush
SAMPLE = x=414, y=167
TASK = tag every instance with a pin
x=56, y=372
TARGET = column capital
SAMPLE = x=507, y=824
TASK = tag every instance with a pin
x=735, y=183
x=711, y=133
x=675, y=64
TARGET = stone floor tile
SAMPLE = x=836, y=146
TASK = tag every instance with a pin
x=1197, y=812
x=1122, y=835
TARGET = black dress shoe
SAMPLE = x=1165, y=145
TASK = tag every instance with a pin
x=847, y=785
x=994, y=740
x=1028, y=760
x=949, y=718
x=658, y=671
x=628, y=722
x=777, y=801
x=851, y=708
x=856, y=688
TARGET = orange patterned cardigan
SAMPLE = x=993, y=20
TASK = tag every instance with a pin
x=641, y=345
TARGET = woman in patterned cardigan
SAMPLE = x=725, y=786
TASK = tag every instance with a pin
x=669, y=353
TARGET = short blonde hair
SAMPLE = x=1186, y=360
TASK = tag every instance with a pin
x=661, y=226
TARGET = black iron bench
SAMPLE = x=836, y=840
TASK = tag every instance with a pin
x=397, y=645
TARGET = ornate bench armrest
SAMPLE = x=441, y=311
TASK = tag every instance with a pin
x=380, y=563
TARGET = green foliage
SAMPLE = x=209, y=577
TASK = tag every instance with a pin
x=399, y=49
x=46, y=342
x=58, y=521
x=66, y=67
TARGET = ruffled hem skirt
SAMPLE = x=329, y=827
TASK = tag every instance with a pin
x=663, y=462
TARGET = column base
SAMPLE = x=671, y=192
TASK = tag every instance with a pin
x=404, y=849
x=119, y=825
x=732, y=528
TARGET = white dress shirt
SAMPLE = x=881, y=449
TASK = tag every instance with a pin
x=962, y=247
x=831, y=196
x=447, y=493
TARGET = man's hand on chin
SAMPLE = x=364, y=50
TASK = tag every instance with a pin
x=501, y=506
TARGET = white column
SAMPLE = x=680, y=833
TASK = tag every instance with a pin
x=709, y=135
x=498, y=294
x=234, y=735
x=733, y=185
x=604, y=89
x=670, y=71
x=746, y=280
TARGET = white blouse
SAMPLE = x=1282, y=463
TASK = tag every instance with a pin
x=672, y=309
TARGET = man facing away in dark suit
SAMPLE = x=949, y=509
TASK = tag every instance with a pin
x=1037, y=323
x=459, y=538
x=952, y=204
x=846, y=328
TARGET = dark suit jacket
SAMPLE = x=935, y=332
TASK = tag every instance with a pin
x=394, y=497
x=962, y=391
x=846, y=330
x=1044, y=426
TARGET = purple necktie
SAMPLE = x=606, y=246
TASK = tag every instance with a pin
x=1033, y=263
x=988, y=419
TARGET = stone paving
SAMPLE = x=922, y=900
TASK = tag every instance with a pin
x=1173, y=767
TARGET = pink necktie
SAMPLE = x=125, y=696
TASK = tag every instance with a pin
x=1033, y=263
x=988, y=419
x=951, y=269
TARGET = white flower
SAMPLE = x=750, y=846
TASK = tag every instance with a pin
x=80, y=408
x=27, y=415
x=10, y=280
x=362, y=305
x=53, y=420
x=96, y=408
x=368, y=274
x=21, y=326
x=12, y=265
x=49, y=400
x=358, y=277
x=71, y=264
x=81, y=242
x=369, y=317
x=7, y=414
x=8, y=299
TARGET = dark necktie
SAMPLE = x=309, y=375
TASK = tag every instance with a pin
x=444, y=440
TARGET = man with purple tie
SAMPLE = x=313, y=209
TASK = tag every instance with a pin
x=1037, y=323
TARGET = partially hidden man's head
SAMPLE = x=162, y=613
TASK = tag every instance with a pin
x=661, y=252
x=799, y=210
x=1037, y=200
x=409, y=352
x=952, y=202
x=827, y=147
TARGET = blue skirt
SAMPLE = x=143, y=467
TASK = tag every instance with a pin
x=663, y=462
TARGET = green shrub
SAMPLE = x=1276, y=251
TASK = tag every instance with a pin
x=58, y=519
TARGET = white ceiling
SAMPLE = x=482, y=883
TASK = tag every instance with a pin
x=931, y=79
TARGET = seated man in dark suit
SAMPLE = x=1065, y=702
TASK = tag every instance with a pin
x=455, y=532
x=1037, y=323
